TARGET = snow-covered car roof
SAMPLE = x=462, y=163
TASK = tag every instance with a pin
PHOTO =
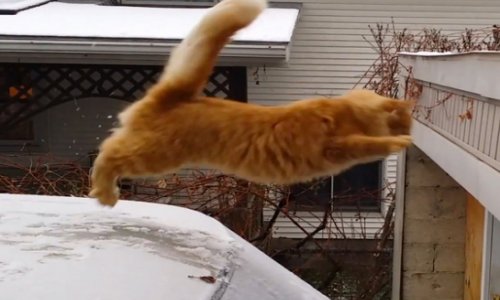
x=70, y=248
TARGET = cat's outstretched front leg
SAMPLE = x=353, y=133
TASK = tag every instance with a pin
x=113, y=160
x=130, y=154
x=104, y=179
x=364, y=148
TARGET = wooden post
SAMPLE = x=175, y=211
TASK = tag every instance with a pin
x=475, y=216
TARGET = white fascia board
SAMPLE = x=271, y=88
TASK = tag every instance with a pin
x=128, y=52
x=474, y=72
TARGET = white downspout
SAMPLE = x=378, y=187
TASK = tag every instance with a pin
x=398, y=226
x=486, y=264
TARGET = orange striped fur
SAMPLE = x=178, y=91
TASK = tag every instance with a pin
x=172, y=126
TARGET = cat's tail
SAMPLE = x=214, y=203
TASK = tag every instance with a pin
x=192, y=61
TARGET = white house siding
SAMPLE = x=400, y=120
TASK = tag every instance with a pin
x=329, y=55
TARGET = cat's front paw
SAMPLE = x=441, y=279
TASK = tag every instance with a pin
x=107, y=197
x=400, y=142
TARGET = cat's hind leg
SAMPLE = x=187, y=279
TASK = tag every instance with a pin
x=364, y=148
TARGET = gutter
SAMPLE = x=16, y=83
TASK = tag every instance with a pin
x=127, y=52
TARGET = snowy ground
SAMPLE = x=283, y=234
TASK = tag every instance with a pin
x=71, y=248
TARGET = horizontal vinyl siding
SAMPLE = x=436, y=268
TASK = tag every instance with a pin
x=329, y=57
x=390, y=171
x=389, y=174
x=341, y=225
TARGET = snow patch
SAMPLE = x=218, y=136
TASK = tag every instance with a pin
x=91, y=21
x=59, y=248
x=49, y=243
x=429, y=53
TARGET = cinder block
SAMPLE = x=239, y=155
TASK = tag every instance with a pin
x=434, y=231
x=427, y=174
x=433, y=286
x=450, y=203
x=418, y=231
x=435, y=202
x=449, y=230
x=418, y=257
x=422, y=171
x=449, y=258
x=420, y=202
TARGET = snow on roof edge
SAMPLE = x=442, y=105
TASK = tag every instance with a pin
x=56, y=19
x=450, y=53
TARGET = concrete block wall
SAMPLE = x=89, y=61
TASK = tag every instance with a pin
x=434, y=232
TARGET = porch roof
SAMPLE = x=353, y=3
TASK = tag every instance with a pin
x=458, y=117
x=68, y=31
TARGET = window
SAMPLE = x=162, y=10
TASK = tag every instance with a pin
x=27, y=135
x=21, y=132
x=16, y=93
x=355, y=189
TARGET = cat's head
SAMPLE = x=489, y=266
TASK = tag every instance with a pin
x=381, y=114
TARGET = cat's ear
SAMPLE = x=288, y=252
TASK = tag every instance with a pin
x=361, y=93
x=327, y=121
x=391, y=105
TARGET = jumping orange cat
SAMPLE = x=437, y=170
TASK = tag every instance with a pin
x=172, y=126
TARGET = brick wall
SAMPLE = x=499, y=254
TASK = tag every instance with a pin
x=434, y=232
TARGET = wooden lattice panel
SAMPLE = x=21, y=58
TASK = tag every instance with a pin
x=28, y=89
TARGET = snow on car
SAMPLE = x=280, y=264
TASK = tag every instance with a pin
x=61, y=248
